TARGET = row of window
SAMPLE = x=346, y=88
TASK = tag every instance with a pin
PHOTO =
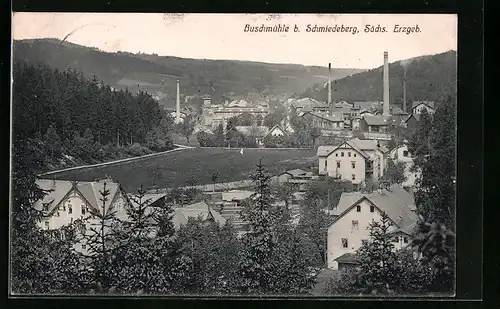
x=358, y=208
x=396, y=239
x=63, y=208
x=348, y=154
x=345, y=242
x=353, y=164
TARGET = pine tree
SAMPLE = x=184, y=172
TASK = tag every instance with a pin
x=395, y=172
x=435, y=199
x=100, y=232
x=376, y=260
x=260, y=241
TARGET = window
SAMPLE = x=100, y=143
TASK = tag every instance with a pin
x=45, y=207
x=395, y=239
x=353, y=164
x=83, y=209
x=405, y=240
x=342, y=154
x=47, y=225
x=355, y=224
x=353, y=176
x=57, y=213
x=349, y=154
x=326, y=164
x=70, y=209
x=354, y=155
x=372, y=208
x=358, y=208
x=84, y=246
x=336, y=154
x=405, y=153
x=364, y=242
x=338, y=164
x=344, y=243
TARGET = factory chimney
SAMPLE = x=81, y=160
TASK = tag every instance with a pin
x=386, y=109
x=178, y=105
x=404, y=89
x=330, y=105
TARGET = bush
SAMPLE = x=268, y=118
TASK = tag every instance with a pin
x=137, y=150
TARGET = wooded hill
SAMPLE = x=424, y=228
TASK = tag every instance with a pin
x=154, y=73
x=427, y=78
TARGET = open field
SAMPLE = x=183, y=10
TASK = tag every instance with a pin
x=194, y=167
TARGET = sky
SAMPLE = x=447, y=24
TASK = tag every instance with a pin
x=222, y=36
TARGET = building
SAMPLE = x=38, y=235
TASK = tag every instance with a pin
x=219, y=114
x=207, y=100
x=355, y=211
x=199, y=210
x=418, y=106
x=334, y=121
x=344, y=104
x=401, y=154
x=276, y=131
x=376, y=123
x=411, y=123
x=256, y=132
x=367, y=105
x=354, y=160
x=346, y=261
x=308, y=105
x=297, y=178
x=398, y=115
x=69, y=201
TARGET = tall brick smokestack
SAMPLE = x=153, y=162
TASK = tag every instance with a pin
x=386, y=109
x=404, y=89
x=178, y=105
x=330, y=88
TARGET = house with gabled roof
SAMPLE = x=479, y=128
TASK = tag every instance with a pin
x=66, y=202
x=355, y=211
x=277, y=130
x=376, y=123
x=418, y=106
x=334, y=121
x=353, y=160
x=199, y=210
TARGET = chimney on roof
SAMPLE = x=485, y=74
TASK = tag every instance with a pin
x=386, y=84
x=178, y=105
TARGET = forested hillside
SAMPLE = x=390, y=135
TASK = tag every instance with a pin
x=74, y=120
x=155, y=73
x=427, y=78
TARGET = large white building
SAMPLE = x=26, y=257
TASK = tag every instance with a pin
x=354, y=160
x=356, y=210
x=68, y=202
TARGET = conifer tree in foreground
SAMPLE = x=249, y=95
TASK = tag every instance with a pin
x=435, y=199
x=273, y=257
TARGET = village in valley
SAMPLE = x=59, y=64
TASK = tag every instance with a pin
x=336, y=191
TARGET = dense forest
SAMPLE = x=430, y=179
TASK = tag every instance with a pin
x=427, y=78
x=76, y=121
x=153, y=73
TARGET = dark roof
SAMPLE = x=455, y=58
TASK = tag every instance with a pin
x=416, y=116
x=428, y=103
x=397, y=111
x=346, y=258
x=378, y=120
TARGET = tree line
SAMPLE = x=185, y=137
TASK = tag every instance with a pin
x=70, y=116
